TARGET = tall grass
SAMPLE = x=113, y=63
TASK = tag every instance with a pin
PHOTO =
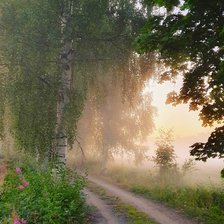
x=205, y=202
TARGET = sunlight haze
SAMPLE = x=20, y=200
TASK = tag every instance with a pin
x=183, y=122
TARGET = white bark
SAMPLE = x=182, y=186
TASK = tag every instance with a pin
x=63, y=101
x=66, y=58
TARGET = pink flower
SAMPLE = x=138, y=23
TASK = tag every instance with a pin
x=18, y=170
x=21, y=187
x=16, y=220
x=23, y=221
x=25, y=183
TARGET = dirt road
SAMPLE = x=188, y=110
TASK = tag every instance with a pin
x=107, y=215
x=2, y=172
x=156, y=211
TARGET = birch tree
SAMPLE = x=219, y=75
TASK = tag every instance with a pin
x=51, y=52
x=118, y=125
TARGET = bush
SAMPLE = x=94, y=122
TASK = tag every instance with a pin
x=36, y=197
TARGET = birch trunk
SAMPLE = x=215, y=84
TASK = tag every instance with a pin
x=63, y=101
x=66, y=58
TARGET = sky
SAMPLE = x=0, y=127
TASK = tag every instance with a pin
x=186, y=126
x=184, y=123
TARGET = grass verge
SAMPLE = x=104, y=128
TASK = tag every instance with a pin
x=205, y=204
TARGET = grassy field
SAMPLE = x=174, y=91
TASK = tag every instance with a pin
x=205, y=202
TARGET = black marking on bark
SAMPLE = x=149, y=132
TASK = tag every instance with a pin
x=67, y=67
x=60, y=137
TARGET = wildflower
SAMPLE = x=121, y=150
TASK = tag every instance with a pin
x=18, y=170
x=16, y=220
x=25, y=183
x=21, y=187
x=23, y=221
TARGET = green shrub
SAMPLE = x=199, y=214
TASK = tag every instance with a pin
x=37, y=197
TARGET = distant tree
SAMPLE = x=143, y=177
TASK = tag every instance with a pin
x=165, y=154
x=170, y=172
x=188, y=38
x=188, y=166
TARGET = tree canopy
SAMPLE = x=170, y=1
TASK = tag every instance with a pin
x=34, y=35
x=188, y=38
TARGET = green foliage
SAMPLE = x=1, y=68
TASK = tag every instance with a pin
x=31, y=43
x=134, y=216
x=168, y=4
x=189, y=41
x=165, y=158
x=170, y=173
x=28, y=45
x=165, y=154
x=222, y=173
x=205, y=204
x=45, y=199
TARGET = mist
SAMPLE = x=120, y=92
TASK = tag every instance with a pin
x=116, y=132
x=115, y=126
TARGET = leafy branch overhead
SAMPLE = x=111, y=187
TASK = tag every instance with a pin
x=188, y=38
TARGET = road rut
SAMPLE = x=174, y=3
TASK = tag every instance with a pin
x=108, y=217
x=156, y=211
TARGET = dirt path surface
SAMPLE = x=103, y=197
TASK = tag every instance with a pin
x=106, y=213
x=2, y=172
x=156, y=211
